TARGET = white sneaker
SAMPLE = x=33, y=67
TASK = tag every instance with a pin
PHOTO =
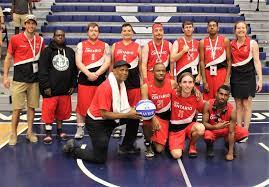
x=80, y=132
x=244, y=140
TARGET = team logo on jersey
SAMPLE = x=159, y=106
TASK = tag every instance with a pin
x=60, y=62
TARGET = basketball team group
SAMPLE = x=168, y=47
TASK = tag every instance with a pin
x=110, y=81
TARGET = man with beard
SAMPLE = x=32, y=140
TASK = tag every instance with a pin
x=219, y=118
x=159, y=91
x=93, y=60
x=215, y=60
x=24, y=49
x=156, y=51
x=57, y=80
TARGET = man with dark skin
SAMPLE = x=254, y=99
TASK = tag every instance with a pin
x=219, y=118
x=57, y=80
x=215, y=60
x=103, y=116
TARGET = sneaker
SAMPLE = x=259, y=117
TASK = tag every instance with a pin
x=139, y=134
x=244, y=140
x=62, y=136
x=31, y=137
x=47, y=139
x=80, y=132
x=117, y=133
x=149, y=153
x=128, y=150
x=192, y=151
x=69, y=146
x=209, y=150
x=12, y=140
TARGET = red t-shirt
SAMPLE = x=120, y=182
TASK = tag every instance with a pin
x=20, y=48
x=102, y=100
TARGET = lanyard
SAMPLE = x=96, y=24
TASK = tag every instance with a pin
x=33, y=48
x=157, y=53
x=213, y=50
x=65, y=59
x=189, y=52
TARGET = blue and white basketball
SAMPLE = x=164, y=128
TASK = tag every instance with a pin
x=146, y=108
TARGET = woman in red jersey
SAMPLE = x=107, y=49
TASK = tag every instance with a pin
x=245, y=65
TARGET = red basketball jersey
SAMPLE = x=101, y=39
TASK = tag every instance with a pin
x=215, y=54
x=161, y=97
x=184, y=109
x=188, y=59
x=224, y=116
x=163, y=52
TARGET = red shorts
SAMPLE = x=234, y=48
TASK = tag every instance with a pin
x=177, y=139
x=151, y=76
x=214, y=82
x=57, y=107
x=134, y=96
x=161, y=135
x=84, y=99
x=239, y=134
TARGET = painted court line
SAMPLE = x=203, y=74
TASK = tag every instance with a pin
x=90, y=175
x=20, y=131
x=184, y=173
x=264, y=146
x=263, y=184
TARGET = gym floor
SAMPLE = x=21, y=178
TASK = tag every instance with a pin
x=37, y=164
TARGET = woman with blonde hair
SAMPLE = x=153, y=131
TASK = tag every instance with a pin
x=245, y=65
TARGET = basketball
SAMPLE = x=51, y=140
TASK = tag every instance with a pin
x=146, y=108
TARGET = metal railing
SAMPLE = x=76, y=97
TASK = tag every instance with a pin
x=258, y=4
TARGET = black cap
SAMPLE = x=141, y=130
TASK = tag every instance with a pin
x=121, y=63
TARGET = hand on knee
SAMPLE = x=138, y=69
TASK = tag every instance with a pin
x=176, y=153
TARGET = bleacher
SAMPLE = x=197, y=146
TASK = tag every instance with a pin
x=73, y=15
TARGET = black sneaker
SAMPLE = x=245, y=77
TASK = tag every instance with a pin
x=128, y=150
x=47, y=139
x=209, y=150
x=69, y=146
x=62, y=136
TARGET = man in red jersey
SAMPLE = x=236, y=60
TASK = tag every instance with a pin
x=185, y=105
x=129, y=51
x=215, y=60
x=185, y=52
x=156, y=51
x=219, y=118
x=93, y=60
x=25, y=49
x=159, y=91
x=108, y=109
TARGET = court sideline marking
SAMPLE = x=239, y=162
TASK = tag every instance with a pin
x=184, y=173
x=20, y=131
x=264, y=146
x=90, y=175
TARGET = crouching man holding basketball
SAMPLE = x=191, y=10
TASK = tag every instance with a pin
x=185, y=105
x=159, y=91
x=108, y=109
